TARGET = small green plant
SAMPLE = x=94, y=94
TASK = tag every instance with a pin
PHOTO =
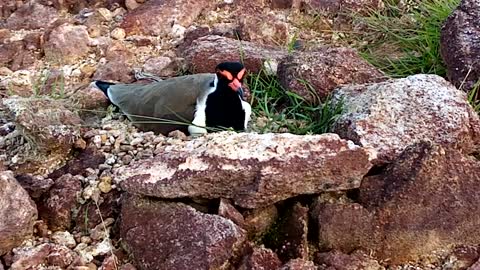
x=403, y=41
x=474, y=97
x=285, y=111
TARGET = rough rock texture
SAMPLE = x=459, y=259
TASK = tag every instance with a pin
x=165, y=235
x=36, y=257
x=249, y=168
x=263, y=28
x=340, y=261
x=36, y=186
x=62, y=199
x=51, y=130
x=58, y=47
x=460, y=44
x=15, y=56
x=300, y=264
x=259, y=220
x=206, y=52
x=17, y=211
x=314, y=75
x=163, y=17
x=90, y=98
x=392, y=115
x=289, y=238
x=88, y=158
x=88, y=216
x=425, y=201
x=335, y=7
x=32, y=15
x=227, y=210
x=260, y=258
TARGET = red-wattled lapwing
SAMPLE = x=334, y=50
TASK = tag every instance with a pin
x=211, y=100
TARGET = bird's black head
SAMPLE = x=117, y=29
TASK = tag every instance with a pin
x=231, y=74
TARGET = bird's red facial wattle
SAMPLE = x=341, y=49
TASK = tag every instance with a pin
x=235, y=82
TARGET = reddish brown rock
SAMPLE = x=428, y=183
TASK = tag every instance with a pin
x=206, y=52
x=17, y=211
x=391, y=115
x=163, y=17
x=43, y=255
x=36, y=186
x=463, y=257
x=15, y=56
x=315, y=74
x=32, y=15
x=91, y=157
x=90, y=216
x=90, y=98
x=258, y=221
x=76, y=6
x=196, y=241
x=67, y=43
x=263, y=28
x=7, y=7
x=50, y=127
x=299, y=264
x=161, y=66
x=61, y=201
x=260, y=258
x=227, y=210
x=249, y=168
x=289, y=238
x=337, y=7
x=424, y=202
x=340, y=261
x=460, y=44
x=282, y=4
x=116, y=71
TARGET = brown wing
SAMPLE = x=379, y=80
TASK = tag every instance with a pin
x=151, y=106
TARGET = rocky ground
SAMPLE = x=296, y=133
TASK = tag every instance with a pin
x=394, y=186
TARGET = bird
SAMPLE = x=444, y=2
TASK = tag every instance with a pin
x=206, y=101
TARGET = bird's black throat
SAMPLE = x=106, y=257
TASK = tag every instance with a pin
x=224, y=109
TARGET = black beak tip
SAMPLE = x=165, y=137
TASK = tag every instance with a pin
x=240, y=92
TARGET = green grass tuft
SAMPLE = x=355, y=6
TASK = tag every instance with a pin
x=474, y=97
x=280, y=110
x=404, y=41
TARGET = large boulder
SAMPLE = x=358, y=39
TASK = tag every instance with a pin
x=392, y=115
x=17, y=211
x=460, y=44
x=49, y=130
x=315, y=74
x=249, y=168
x=426, y=201
x=66, y=44
x=206, y=52
x=167, y=235
x=163, y=17
x=32, y=15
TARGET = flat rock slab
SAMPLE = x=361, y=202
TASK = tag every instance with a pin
x=165, y=235
x=253, y=170
x=392, y=115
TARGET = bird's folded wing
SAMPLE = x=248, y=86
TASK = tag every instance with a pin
x=173, y=98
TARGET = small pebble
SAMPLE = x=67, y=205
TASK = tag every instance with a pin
x=136, y=141
x=118, y=34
